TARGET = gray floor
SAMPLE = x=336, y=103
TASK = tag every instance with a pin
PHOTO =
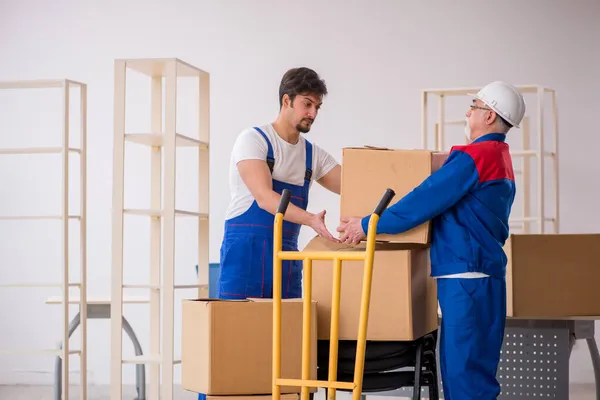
x=94, y=393
x=577, y=392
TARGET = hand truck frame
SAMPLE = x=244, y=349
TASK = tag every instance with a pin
x=337, y=257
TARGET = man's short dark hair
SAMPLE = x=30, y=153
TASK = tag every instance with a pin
x=303, y=81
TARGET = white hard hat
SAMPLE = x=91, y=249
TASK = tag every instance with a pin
x=505, y=100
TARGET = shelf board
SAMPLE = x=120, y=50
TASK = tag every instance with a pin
x=530, y=153
x=142, y=286
x=35, y=217
x=38, y=150
x=191, y=287
x=37, y=285
x=38, y=84
x=37, y=352
x=159, y=213
x=145, y=359
x=156, y=67
x=530, y=219
x=158, y=287
x=95, y=301
x=157, y=140
x=462, y=91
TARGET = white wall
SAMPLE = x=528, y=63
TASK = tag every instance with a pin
x=375, y=57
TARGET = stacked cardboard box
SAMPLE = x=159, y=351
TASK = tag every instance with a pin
x=403, y=296
x=368, y=171
x=548, y=275
x=227, y=346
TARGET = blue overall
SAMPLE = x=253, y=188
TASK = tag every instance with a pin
x=469, y=200
x=246, y=265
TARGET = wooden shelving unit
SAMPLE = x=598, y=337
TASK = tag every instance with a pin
x=163, y=144
x=64, y=283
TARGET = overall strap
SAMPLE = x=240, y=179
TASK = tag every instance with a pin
x=309, y=157
x=270, y=158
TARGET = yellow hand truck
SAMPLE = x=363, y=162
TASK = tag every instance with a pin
x=337, y=257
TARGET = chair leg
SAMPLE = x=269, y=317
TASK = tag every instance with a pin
x=434, y=391
x=418, y=361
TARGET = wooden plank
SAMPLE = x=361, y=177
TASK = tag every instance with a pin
x=116, y=378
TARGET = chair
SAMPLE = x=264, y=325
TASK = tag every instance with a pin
x=383, y=361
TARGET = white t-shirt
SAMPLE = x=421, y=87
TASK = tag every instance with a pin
x=290, y=164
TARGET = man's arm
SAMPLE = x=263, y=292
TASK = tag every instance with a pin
x=257, y=177
x=332, y=180
x=440, y=191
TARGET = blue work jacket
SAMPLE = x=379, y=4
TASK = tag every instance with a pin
x=469, y=200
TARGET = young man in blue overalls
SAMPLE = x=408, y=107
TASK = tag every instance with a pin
x=469, y=200
x=265, y=160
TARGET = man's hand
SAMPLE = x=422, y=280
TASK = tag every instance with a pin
x=317, y=222
x=353, y=231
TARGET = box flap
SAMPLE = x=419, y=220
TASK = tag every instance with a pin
x=288, y=396
x=269, y=300
x=321, y=244
x=366, y=147
x=379, y=148
x=214, y=300
x=247, y=300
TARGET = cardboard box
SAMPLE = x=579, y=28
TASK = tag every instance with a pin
x=403, y=295
x=553, y=275
x=227, y=345
x=367, y=172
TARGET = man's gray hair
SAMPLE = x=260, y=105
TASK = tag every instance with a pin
x=502, y=124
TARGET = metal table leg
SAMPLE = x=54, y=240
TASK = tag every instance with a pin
x=586, y=329
x=58, y=363
x=593, y=346
x=140, y=372
x=103, y=312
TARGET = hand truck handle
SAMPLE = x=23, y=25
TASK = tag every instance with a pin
x=284, y=202
x=384, y=202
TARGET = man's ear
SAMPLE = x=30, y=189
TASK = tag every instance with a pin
x=491, y=119
x=286, y=100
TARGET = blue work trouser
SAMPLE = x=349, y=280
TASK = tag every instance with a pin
x=472, y=332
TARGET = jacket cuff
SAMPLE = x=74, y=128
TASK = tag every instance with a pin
x=365, y=224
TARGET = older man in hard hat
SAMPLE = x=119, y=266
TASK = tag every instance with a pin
x=469, y=199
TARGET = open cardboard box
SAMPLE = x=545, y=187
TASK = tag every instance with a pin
x=368, y=171
x=227, y=345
